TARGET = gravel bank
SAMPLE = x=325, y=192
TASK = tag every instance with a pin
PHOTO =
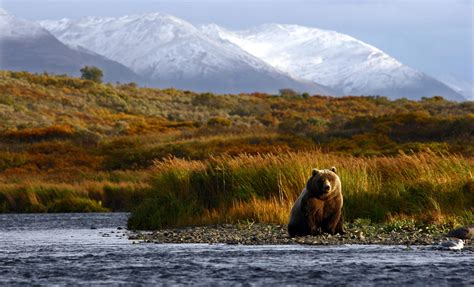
x=269, y=234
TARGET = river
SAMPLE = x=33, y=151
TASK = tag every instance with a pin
x=93, y=248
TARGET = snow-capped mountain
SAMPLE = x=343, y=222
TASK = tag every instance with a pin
x=333, y=59
x=167, y=51
x=463, y=87
x=173, y=52
x=26, y=46
x=13, y=28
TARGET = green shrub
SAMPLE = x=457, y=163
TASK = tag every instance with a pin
x=92, y=73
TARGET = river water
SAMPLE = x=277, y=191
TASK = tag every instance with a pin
x=64, y=249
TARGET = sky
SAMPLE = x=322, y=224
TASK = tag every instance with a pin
x=433, y=36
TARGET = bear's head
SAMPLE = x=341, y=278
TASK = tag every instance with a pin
x=323, y=184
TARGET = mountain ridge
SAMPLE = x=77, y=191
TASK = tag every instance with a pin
x=26, y=46
x=461, y=86
x=166, y=51
x=333, y=59
x=173, y=52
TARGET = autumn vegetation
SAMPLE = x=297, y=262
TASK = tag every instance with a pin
x=177, y=157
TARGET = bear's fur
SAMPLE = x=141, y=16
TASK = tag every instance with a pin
x=318, y=209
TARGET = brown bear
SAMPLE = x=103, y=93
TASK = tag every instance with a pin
x=318, y=209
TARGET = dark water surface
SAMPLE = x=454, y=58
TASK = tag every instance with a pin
x=61, y=249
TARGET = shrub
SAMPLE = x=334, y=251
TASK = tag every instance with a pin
x=92, y=73
x=209, y=100
x=219, y=121
x=11, y=160
x=289, y=93
x=39, y=134
x=76, y=205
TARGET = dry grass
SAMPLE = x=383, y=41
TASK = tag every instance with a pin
x=262, y=188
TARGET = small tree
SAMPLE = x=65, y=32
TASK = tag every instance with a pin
x=92, y=73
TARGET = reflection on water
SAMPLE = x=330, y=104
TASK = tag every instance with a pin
x=64, y=249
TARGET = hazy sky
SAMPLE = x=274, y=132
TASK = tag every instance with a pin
x=434, y=36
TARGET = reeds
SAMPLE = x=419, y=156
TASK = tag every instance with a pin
x=262, y=188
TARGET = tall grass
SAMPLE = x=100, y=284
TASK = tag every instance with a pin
x=430, y=187
x=65, y=197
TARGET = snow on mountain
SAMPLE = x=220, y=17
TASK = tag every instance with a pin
x=463, y=87
x=172, y=52
x=333, y=59
x=26, y=46
x=14, y=28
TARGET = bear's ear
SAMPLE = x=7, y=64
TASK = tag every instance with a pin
x=333, y=169
x=314, y=172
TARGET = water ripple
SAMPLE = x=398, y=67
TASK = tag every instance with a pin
x=42, y=251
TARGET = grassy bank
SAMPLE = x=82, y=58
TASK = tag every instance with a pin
x=262, y=188
x=63, y=197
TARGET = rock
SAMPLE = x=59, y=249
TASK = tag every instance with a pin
x=454, y=244
x=259, y=233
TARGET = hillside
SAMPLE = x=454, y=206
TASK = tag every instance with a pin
x=68, y=144
x=31, y=101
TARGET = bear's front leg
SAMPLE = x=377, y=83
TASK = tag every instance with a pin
x=340, y=225
x=314, y=225
x=334, y=223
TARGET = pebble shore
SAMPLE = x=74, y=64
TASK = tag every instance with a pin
x=270, y=234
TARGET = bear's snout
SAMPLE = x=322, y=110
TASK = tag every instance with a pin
x=326, y=186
